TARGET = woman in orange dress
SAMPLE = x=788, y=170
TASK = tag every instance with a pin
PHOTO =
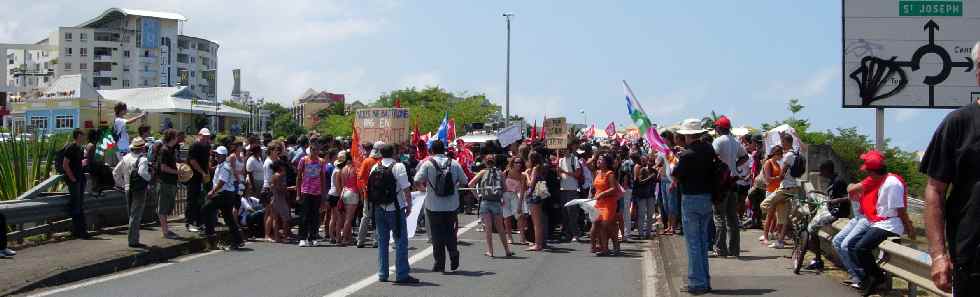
x=607, y=196
x=772, y=172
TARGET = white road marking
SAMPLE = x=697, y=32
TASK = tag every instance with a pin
x=122, y=275
x=367, y=281
x=649, y=266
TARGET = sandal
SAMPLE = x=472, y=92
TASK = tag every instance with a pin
x=488, y=254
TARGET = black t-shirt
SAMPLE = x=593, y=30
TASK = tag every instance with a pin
x=202, y=153
x=73, y=153
x=696, y=169
x=838, y=189
x=953, y=157
x=168, y=156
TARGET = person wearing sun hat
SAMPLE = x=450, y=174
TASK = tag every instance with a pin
x=883, y=203
x=694, y=175
x=134, y=166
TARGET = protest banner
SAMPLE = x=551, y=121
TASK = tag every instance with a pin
x=385, y=124
x=557, y=133
x=510, y=135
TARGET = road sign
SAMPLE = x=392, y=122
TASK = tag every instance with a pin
x=909, y=53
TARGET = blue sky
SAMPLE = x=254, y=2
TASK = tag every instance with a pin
x=683, y=59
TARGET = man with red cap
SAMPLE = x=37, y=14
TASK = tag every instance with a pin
x=883, y=203
x=731, y=152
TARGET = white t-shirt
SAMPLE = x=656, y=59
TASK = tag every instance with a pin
x=267, y=172
x=119, y=126
x=787, y=163
x=254, y=166
x=729, y=150
x=401, y=181
x=223, y=173
x=891, y=198
x=568, y=181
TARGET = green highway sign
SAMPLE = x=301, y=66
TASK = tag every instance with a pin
x=930, y=8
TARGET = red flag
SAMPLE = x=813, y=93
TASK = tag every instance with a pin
x=611, y=129
x=534, y=130
x=542, y=129
x=355, y=147
x=590, y=133
x=451, y=133
x=398, y=103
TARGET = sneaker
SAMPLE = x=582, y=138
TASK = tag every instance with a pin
x=762, y=238
x=303, y=243
x=777, y=245
x=193, y=228
x=360, y=245
x=8, y=252
x=815, y=265
x=315, y=243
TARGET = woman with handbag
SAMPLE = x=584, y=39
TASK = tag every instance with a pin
x=537, y=193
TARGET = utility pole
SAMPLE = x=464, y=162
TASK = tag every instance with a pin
x=507, y=103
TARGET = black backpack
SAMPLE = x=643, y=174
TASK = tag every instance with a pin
x=490, y=186
x=799, y=165
x=136, y=182
x=59, y=160
x=445, y=184
x=381, y=185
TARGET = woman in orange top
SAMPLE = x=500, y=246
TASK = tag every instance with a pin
x=773, y=175
x=607, y=196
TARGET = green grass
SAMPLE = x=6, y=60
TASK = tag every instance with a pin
x=26, y=162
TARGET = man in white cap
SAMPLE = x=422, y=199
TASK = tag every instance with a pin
x=197, y=157
x=133, y=174
x=223, y=197
x=695, y=176
x=362, y=178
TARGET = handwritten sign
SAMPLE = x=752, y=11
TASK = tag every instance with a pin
x=557, y=133
x=385, y=124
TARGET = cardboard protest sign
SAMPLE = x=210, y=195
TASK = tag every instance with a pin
x=556, y=133
x=385, y=124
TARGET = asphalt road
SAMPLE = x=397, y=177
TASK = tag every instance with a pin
x=268, y=269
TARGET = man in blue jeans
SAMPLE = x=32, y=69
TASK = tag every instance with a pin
x=390, y=217
x=695, y=176
x=845, y=241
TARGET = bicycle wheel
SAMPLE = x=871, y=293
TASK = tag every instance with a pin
x=799, y=251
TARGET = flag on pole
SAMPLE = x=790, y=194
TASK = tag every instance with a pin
x=534, y=130
x=355, y=147
x=590, y=133
x=542, y=129
x=642, y=121
x=107, y=144
x=611, y=129
x=443, y=132
x=398, y=103
x=451, y=132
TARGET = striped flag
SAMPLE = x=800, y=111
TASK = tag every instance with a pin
x=107, y=144
x=640, y=118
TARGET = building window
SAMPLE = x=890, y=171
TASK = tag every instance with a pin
x=125, y=83
x=82, y=66
x=126, y=54
x=82, y=37
x=182, y=43
x=67, y=36
x=193, y=73
x=193, y=60
x=146, y=83
x=39, y=122
x=67, y=66
x=64, y=122
x=125, y=68
x=182, y=58
x=83, y=52
x=67, y=52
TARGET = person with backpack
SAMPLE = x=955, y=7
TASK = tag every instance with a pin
x=490, y=189
x=133, y=174
x=362, y=178
x=70, y=160
x=389, y=195
x=792, y=166
x=442, y=177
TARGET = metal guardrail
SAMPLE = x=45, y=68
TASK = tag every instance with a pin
x=899, y=261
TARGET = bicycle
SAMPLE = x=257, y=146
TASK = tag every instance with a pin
x=806, y=208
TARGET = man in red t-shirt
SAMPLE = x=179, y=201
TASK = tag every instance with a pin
x=883, y=203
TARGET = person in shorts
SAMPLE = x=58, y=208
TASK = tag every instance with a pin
x=489, y=183
x=167, y=190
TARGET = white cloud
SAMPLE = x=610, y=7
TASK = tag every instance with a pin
x=420, y=80
x=816, y=84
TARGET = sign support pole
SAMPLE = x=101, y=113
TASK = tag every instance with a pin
x=880, y=129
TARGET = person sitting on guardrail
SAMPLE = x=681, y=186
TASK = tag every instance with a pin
x=883, y=202
x=952, y=163
x=133, y=174
x=837, y=206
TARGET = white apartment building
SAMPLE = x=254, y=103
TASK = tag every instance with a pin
x=119, y=49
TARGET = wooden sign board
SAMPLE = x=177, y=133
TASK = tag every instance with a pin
x=385, y=124
x=556, y=133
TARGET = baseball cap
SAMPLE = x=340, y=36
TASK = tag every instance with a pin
x=204, y=132
x=723, y=122
x=221, y=150
x=873, y=160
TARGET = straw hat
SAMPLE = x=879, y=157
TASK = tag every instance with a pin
x=691, y=126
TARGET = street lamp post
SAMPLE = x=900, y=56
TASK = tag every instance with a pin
x=507, y=103
x=585, y=117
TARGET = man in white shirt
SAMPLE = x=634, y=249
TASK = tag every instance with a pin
x=441, y=209
x=570, y=171
x=223, y=197
x=134, y=162
x=731, y=152
x=886, y=192
x=390, y=218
